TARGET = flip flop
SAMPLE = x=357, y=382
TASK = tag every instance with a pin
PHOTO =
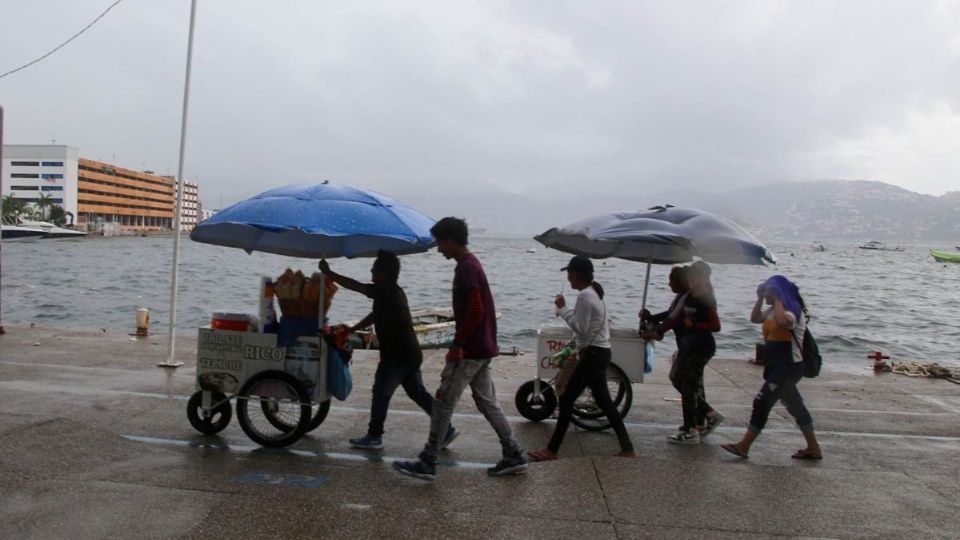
x=541, y=455
x=806, y=454
x=733, y=449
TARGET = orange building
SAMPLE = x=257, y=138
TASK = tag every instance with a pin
x=135, y=200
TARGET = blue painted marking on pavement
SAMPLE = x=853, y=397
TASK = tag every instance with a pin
x=202, y=441
x=283, y=480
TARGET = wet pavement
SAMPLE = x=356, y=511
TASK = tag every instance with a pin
x=94, y=442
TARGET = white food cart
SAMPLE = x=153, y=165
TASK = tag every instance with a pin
x=536, y=399
x=281, y=391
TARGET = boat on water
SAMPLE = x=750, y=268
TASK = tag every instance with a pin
x=13, y=233
x=52, y=231
x=945, y=256
x=879, y=246
x=817, y=246
x=435, y=328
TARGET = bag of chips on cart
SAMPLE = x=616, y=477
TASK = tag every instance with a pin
x=339, y=380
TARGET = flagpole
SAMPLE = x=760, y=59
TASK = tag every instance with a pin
x=171, y=355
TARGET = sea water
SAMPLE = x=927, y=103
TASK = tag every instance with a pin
x=901, y=303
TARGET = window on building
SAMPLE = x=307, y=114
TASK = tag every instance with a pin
x=24, y=163
x=24, y=188
x=52, y=164
x=51, y=188
x=24, y=175
x=52, y=176
x=56, y=201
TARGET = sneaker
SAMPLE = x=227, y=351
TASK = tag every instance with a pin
x=684, y=437
x=418, y=469
x=516, y=464
x=712, y=423
x=367, y=442
x=452, y=434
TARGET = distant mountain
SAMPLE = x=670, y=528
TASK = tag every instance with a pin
x=855, y=210
x=850, y=210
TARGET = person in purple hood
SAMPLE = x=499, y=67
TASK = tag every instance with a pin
x=784, y=322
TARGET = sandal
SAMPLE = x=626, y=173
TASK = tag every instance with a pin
x=541, y=455
x=735, y=450
x=806, y=454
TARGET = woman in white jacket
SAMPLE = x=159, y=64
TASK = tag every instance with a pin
x=588, y=320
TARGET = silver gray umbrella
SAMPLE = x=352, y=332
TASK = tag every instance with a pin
x=661, y=235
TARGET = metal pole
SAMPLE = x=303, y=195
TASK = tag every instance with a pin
x=646, y=283
x=170, y=361
x=2, y=331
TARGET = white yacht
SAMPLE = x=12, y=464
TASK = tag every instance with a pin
x=11, y=233
x=52, y=231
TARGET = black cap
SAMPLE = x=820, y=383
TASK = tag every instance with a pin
x=579, y=265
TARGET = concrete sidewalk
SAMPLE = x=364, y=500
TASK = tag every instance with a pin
x=94, y=442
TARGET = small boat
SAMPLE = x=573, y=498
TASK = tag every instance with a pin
x=945, y=256
x=435, y=328
x=817, y=246
x=531, y=250
x=12, y=233
x=52, y=231
x=879, y=246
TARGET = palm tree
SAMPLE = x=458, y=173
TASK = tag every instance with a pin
x=13, y=207
x=44, y=201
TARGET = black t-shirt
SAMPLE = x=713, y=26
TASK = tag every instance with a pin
x=701, y=309
x=391, y=315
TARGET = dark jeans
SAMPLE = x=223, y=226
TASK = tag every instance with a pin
x=781, y=376
x=687, y=377
x=591, y=372
x=390, y=374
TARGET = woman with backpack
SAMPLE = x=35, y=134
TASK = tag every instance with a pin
x=784, y=322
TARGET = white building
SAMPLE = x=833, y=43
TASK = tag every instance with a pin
x=208, y=213
x=32, y=170
x=191, y=206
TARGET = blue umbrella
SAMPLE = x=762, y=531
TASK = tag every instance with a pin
x=318, y=221
x=662, y=235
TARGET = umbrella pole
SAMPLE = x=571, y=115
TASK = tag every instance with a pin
x=646, y=284
x=171, y=355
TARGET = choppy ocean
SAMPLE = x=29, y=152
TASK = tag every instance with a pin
x=902, y=303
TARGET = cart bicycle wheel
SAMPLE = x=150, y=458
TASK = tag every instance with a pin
x=288, y=406
x=588, y=415
x=318, y=413
x=533, y=406
x=213, y=421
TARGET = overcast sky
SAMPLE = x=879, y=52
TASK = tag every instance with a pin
x=525, y=97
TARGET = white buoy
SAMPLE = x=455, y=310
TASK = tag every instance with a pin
x=143, y=322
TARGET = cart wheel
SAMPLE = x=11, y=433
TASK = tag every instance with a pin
x=213, y=422
x=588, y=415
x=270, y=399
x=536, y=407
x=318, y=413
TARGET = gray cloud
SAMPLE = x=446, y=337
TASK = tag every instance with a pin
x=524, y=97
